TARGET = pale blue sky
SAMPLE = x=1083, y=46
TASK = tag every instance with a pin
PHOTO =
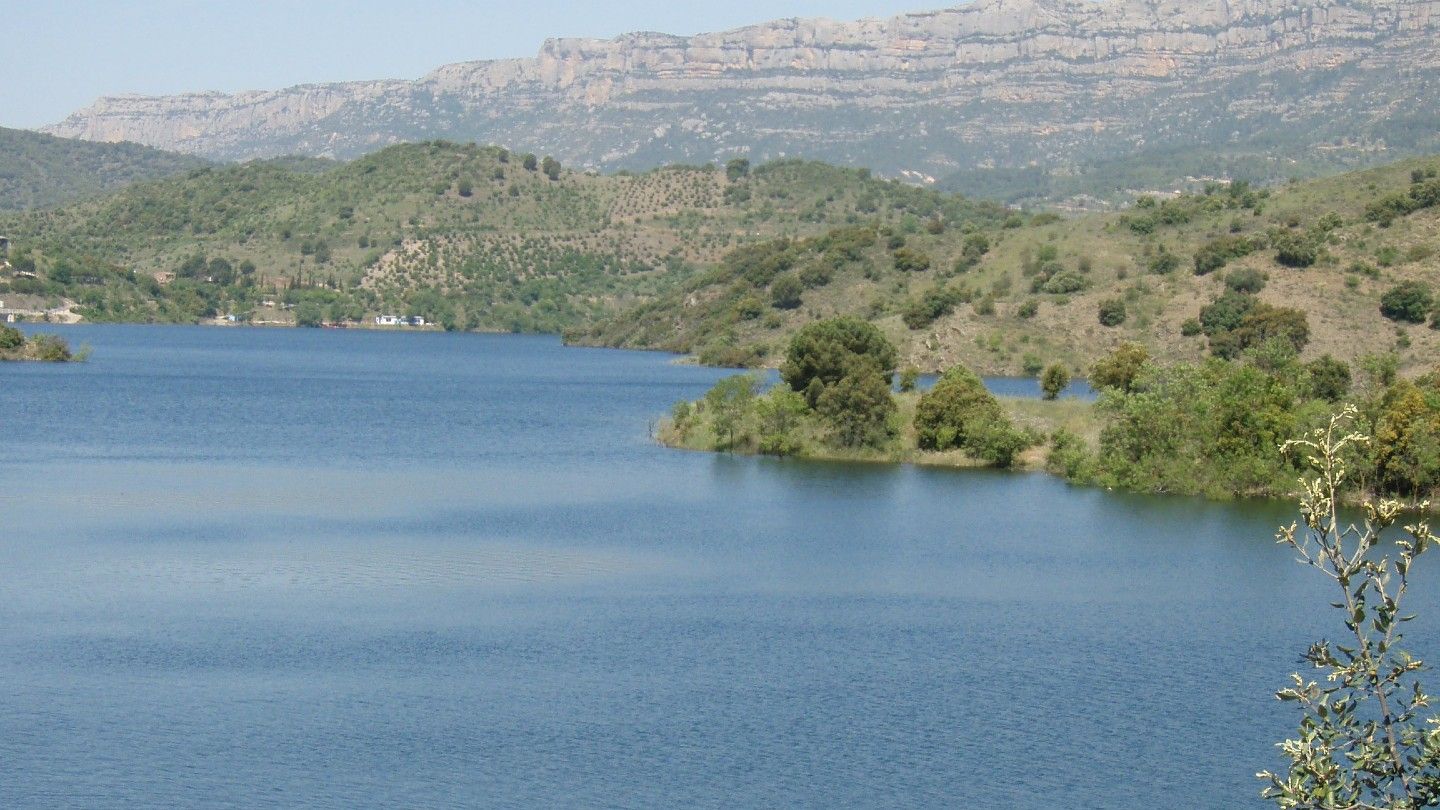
x=59, y=55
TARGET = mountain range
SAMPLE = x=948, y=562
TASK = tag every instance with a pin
x=1015, y=99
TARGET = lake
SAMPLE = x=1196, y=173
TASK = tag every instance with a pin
x=279, y=568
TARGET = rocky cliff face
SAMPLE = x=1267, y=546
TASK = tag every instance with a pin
x=997, y=84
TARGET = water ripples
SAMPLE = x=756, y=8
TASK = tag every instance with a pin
x=357, y=566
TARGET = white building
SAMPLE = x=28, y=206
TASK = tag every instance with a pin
x=399, y=320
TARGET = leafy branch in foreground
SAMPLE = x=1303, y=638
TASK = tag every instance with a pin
x=1362, y=743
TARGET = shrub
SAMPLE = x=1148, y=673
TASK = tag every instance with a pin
x=1191, y=327
x=909, y=378
x=1028, y=310
x=1407, y=437
x=1055, y=380
x=999, y=443
x=1363, y=269
x=1329, y=378
x=1209, y=428
x=823, y=351
x=1164, y=262
x=786, y=291
x=308, y=314
x=1408, y=301
x=1121, y=368
x=11, y=338
x=1421, y=195
x=858, y=408
x=1207, y=261
x=725, y=353
x=1069, y=457
x=815, y=274
x=760, y=264
x=1112, y=312
x=682, y=418
x=51, y=348
x=1245, y=280
x=1226, y=312
x=975, y=248
x=749, y=308
x=777, y=415
x=1217, y=253
x=933, y=305
x=959, y=412
x=729, y=403
x=1260, y=325
x=948, y=413
x=1296, y=249
x=908, y=260
x=1064, y=283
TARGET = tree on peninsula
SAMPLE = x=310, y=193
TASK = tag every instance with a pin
x=1054, y=381
x=823, y=352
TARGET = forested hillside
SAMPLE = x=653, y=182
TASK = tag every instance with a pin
x=1345, y=266
x=727, y=262
x=38, y=171
x=471, y=237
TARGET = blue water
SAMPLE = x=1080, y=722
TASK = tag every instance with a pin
x=350, y=569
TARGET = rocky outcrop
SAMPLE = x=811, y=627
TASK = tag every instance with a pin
x=993, y=84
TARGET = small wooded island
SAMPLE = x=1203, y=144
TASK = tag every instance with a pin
x=42, y=348
x=1211, y=428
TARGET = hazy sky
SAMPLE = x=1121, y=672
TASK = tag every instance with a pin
x=59, y=55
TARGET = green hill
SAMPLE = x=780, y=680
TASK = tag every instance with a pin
x=728, y=263
x=475, y=238
x=1031, y=292
x=40, y=171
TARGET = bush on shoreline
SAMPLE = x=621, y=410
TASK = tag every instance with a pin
x=44, y=348
x=1207, y=428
